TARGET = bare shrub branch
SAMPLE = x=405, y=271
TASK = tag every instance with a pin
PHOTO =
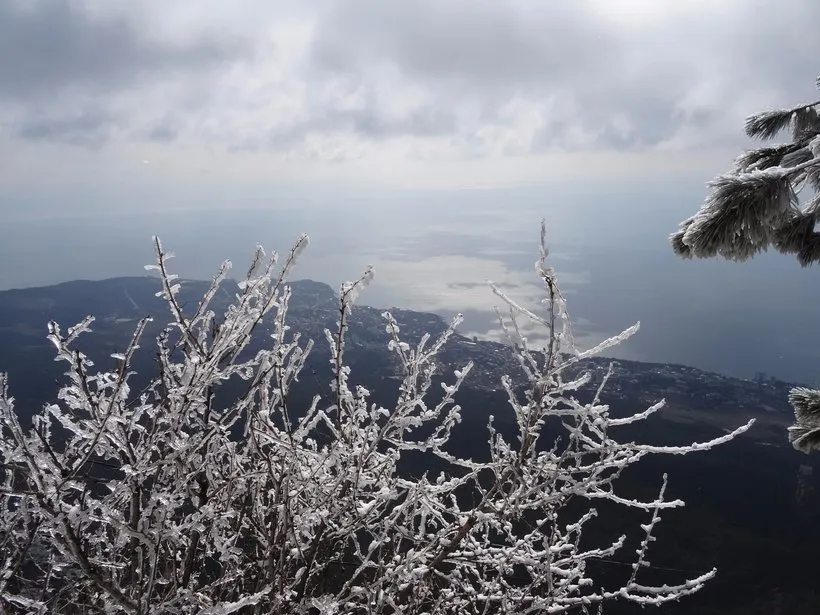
x=164, y=500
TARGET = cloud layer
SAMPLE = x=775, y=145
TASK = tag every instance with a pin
x=424, y=80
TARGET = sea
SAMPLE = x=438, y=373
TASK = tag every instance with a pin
x=440, y=251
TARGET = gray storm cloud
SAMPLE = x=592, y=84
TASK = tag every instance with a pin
x=492, y=43
x=47, y=47
x=622, y=85
x=512, y=77
x=60, y=63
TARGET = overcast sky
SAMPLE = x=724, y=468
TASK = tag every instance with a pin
x=109, y=102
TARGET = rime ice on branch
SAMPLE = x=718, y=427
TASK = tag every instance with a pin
x=771, y=198
x=165, y=500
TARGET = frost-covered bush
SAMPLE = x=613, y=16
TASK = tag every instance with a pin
x=256, y=506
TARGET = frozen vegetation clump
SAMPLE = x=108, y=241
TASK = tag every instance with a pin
x=170, y=499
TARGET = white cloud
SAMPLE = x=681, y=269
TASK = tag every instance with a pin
x=433, y=93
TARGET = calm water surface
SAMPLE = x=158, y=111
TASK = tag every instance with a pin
x=432, y=256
